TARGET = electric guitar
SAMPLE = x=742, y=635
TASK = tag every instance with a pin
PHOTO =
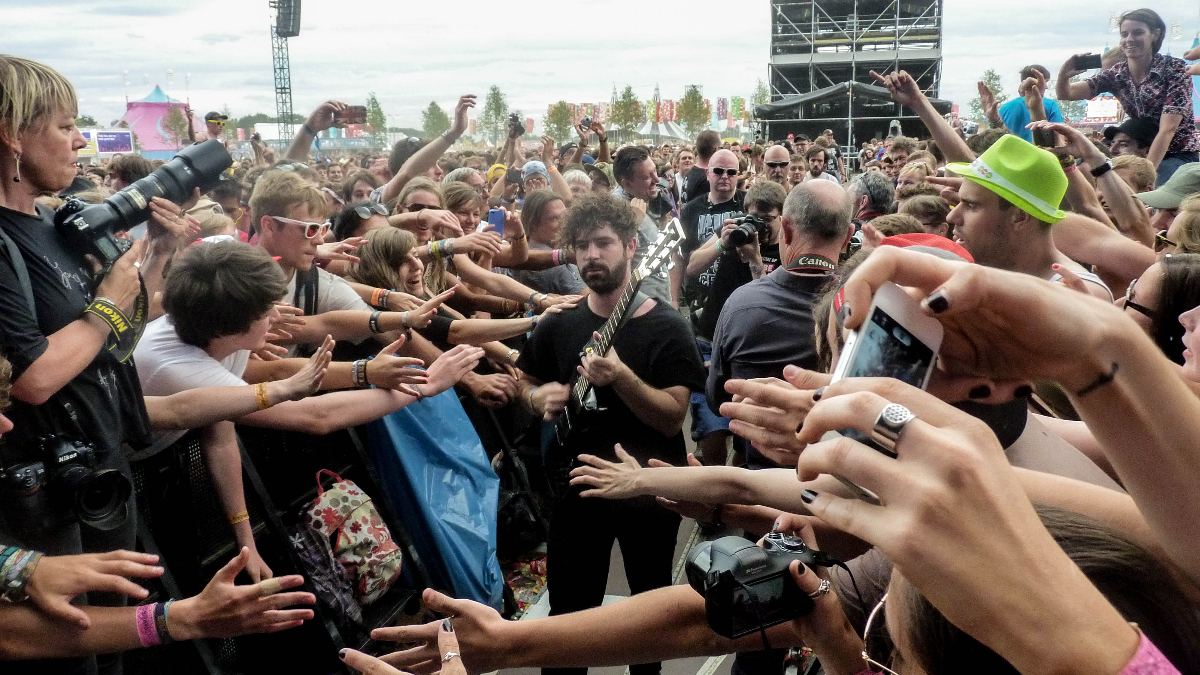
x=582, y=410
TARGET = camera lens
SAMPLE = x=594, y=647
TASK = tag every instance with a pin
x=99, y=496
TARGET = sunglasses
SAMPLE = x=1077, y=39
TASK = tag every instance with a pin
x=219, y=123
x=1141, y=309
x=365, y=211
x=777, y=165
x=879, y=647
x=1161, y=242
x=719, y=171
x=310, y=229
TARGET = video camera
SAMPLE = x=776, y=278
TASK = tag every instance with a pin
x=516, y=128
x=91, y=227
x=748, y=588
x=64, y=485
x=748, y=226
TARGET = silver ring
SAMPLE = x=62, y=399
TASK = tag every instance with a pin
x=822, y=589
x=890, y=424
x=137, y=263
x=449, y=655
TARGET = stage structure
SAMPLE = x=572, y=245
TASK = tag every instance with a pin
x=820, y=47
x=287, y=24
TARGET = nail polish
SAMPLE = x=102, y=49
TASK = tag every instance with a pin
x=937, y=302
x=1023, y=391
x=447, y=626
x=342, y=654
x=818, y=394
x=982, y=391
x=808, y=496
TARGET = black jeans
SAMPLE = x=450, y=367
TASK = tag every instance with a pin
x=74, y=539
x=580, y=544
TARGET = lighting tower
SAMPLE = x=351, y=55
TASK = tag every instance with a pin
x=287, y=24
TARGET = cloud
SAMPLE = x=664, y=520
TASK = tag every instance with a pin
x=217, y=38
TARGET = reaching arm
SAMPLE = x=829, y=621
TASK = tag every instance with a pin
x=1115, y=509
x=1168, y=123
x=1083, y=239
x=496, y=284
x=904, y=91
x=1065, y=89
x=424, y=159
x=324, y=117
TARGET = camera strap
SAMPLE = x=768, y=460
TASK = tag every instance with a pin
x=18, y=263
x=126, y=330
x=812, y=264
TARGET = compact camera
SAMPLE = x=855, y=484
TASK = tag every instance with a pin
x=64, y=485
x=747, y=226
x=748, y=588
x=586, y=122
x=90, y=227
x=516, y=128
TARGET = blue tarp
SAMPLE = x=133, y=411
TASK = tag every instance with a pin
x=442, y=487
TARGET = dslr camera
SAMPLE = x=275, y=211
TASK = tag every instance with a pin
x=90, y=227
x=63, y=485
x=516, y=128
x=748, y=588
x=748, y=225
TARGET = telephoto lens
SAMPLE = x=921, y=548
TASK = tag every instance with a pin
x=91, y=227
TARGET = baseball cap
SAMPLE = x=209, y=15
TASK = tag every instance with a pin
x=565, y=148
x=929, y=243
x=1182, y=184
x=495, y=171
x=1022, y=173
x=1139, y=129
x=215, y=116
x=532, y=168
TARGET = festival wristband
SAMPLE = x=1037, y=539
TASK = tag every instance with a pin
x=239, y=517
x=261, y=399
x=146, y=629
x=160, y=622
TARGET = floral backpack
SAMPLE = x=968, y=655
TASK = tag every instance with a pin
x=360, y=539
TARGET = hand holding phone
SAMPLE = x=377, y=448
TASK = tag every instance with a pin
x=355, y=114
x=496, y=219
x=1087, y=61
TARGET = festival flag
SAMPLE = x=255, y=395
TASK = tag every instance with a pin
x=722, y=108
x=737, y=106
x=241, y=134
x=529, y=125
x=471, y=127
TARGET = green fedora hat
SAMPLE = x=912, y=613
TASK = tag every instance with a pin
x=1022, y=173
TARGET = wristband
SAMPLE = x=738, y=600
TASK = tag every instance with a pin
x=309, y=130
x=1102, y=169
x=160, y=622
x=512, y=353
x=146, y=630
x=514, y=240
x=404, y=320
x=420, y=394
x=15, y=570
x=239, y=517
x=373, y=321
x=260, y=396
x=721, y=250
x=1100, y=381
x=448, y=246
x=531, y=405
x=555, y=255
x=1069, y=169
x=359, y=371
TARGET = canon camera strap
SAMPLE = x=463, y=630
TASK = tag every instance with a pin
x=812, y=264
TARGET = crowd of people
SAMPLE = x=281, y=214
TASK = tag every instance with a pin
x=1036, y=510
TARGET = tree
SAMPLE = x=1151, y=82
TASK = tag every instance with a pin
x=1074, y=111
x=86, y=121
x=175, y=124
x=627, y=112
x=761, y=94
x=558, y=122
x=693, y=111
x=493, y=122
x=434, y=121
x=375, y=118
x=992, y=79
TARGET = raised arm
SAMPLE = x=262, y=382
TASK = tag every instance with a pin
x=1065, y=89
x=324, y=117
x=424, y=159
x=904, y=91
x=1168, y=123
x=557, y=182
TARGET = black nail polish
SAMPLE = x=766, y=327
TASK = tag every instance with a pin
x=818, y=394
x=1023, y=391
x=808, y=496
x=982, y=391
x=447, y=626
x=937, y=302
x=342, y=654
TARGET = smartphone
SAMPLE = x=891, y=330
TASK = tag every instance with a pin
x=496, y=218
x=1087, y=61
x=355, y=114
x=897, y=340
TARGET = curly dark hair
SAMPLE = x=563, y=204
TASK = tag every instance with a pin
x=592, y=212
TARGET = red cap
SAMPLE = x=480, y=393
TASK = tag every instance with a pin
x=928, y=241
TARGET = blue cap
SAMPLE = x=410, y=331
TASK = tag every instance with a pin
x=533, y=167
x=587, y=159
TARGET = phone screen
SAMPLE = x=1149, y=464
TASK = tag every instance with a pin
x=887, y=349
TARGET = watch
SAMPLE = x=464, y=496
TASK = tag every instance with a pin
x=1102, y=169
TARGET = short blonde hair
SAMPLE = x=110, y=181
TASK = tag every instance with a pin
x=1142, y=171
x=1187, y=225
x=277, y=191
x=30, y=93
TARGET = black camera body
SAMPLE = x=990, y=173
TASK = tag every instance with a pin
x=748, y=225
x=90, y=227
x=65, y=485
x=586, y=122
x=748, y=588
x=516, y=128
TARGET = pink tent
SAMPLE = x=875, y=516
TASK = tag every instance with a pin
x=147, y=119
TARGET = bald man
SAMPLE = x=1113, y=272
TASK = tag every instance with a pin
x=775, y=161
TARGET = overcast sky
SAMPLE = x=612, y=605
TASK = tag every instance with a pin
x=537, y=51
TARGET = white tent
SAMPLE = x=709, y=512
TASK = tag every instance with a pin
x=662, y=130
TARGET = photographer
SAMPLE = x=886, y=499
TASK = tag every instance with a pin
x=67, y=386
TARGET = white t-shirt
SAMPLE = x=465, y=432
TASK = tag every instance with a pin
x=167, y=365
x=333, y=294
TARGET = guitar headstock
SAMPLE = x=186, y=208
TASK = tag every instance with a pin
x=659, y=253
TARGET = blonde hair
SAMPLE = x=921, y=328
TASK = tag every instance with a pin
x=212, y=224
x=916, y=167
x=380, y=258
x=30, y=93
x=1188, y=231
x=277, y=191
x=1142, y=171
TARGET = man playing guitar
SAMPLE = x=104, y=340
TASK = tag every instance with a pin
x=641, y=388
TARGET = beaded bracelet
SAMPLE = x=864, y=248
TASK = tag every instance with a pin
x=373, y=321
x=15, y=571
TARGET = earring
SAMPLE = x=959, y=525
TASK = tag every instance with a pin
x=17, y=178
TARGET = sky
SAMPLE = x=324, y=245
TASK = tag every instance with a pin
x=537, y=51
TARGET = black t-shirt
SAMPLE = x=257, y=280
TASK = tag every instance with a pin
x=657, y=346
x=730, y=274
x=695, y=183
x=106, y=397
x=701, y=219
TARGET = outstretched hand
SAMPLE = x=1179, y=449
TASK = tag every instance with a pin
x=901, y=86
x=465, y=103
x=58, y=579
x=987, y=100
x=611, y=480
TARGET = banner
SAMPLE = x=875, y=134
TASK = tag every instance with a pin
x=668, y=110
x=471, y=127
x=241, y=134
x=1103, y=109
x=737, y=107
x=90, y=149
x=529, y=125
x=722, y=108
x=117, y=140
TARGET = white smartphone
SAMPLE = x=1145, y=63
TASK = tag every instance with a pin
x=897, y=340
